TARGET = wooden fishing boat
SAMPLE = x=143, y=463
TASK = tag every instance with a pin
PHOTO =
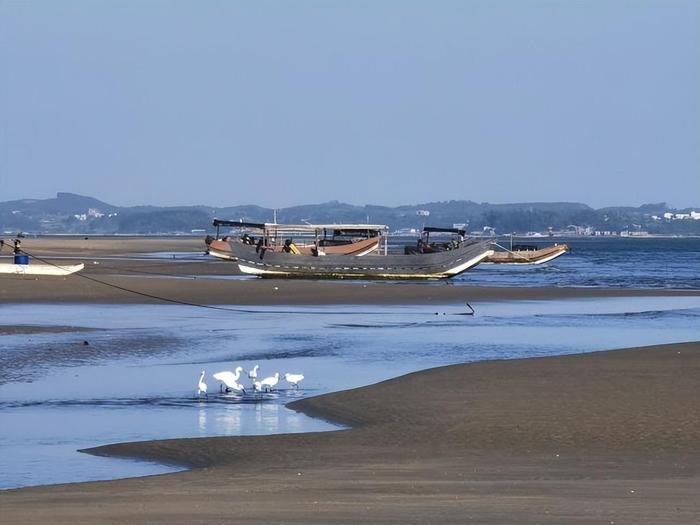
x=524, y=254
x=254, y=260
x=222, y=249
x=447, y=239
x=40, y=269
x=300, y=239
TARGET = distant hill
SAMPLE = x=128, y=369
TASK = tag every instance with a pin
x=78, y=214
x=67, y=203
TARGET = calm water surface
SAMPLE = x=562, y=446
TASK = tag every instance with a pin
x=136, y=378
x=602, y=263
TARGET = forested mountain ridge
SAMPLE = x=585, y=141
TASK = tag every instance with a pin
x=72, y=213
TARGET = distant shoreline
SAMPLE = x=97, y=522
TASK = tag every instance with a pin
x=200, y=236
x=79, y=213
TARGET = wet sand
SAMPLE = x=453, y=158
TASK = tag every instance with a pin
x=138, y=289
x=594, y=438
x=606, y=437
x=192, y=278
x=124, y=289
x=86, y=245
x=40, y=329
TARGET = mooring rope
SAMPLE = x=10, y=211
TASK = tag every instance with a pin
x=192, y=304
x=136, y=292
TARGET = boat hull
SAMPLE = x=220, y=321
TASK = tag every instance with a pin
x=440, y=265
x=540, y=256
x=40, y=269
x=221, y=250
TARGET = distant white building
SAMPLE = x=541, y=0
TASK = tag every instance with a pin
x=694, y=215
x=405, y=231
x=423, y=213
x=575, y=229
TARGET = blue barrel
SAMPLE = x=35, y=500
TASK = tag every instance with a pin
x=21, y=259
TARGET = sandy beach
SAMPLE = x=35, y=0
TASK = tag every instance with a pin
x=139, y=289
x=90, y=245
x=606, y=437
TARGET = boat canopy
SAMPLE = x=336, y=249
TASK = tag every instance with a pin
x=432, y=229
x=239, y=224
x=337, y=229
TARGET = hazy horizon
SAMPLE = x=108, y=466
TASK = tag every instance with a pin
x=116, y=202
x=416, y=203
x=385, y=102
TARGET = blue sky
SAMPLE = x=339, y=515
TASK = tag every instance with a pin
x=282, y=103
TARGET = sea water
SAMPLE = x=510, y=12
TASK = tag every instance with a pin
x=636, y=262
x=130, y=372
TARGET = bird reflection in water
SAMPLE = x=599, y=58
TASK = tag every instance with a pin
x=202, y=420
x=229, y=422
x=267, y=416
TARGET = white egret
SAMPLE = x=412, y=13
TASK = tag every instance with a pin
x=230, y=379
x=270, y=383
x=294, y=379
x=236, y=387
x=201, y=386
x=253, y=374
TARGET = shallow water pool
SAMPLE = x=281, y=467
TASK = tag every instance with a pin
x=136, y=377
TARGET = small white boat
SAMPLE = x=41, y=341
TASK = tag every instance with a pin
x=40, y=269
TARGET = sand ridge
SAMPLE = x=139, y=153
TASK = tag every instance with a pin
x=201, y=290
